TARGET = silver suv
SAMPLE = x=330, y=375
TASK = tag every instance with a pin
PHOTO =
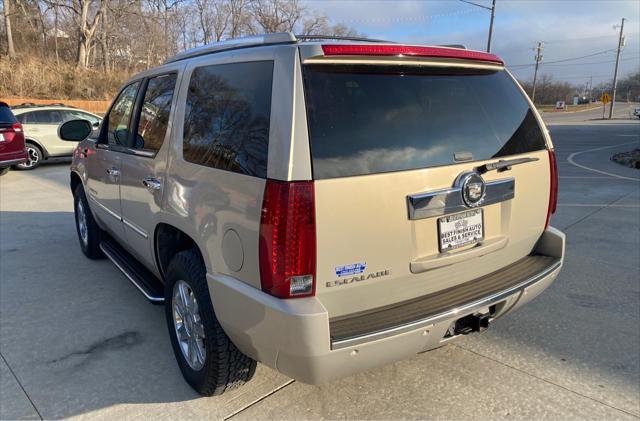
x=322, y=207
x=40, y=123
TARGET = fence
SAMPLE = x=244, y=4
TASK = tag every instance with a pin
x=96, y=107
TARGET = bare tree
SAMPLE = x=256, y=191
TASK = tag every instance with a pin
x=87, y=29
x=11, y=52
x=276, y=15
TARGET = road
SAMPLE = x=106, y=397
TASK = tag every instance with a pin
x=77, y=340
x=622, y=112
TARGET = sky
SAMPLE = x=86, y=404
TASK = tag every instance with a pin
x=568, y=28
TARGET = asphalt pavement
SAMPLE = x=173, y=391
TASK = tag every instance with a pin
x=77, y=340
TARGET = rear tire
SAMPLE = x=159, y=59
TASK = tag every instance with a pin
x=216, y=365
x=35, y=157
x=89, y=233
x=3, y=171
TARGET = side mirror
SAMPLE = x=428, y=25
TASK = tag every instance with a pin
x=75, y=130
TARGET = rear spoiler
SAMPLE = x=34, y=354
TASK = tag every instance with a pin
x=408, y=51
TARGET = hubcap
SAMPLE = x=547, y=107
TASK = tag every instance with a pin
x=188, y=325
x=82, y=223
x=34, y=157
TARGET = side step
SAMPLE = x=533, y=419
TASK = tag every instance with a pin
x=146, y=282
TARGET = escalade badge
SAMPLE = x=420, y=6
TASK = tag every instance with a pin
x=472, y=188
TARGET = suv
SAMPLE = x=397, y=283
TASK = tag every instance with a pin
x=320, y=207
x=12, y=150
x=40, y=124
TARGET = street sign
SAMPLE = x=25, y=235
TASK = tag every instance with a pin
x=605, y=98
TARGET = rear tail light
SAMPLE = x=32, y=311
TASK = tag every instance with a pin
x=13, y=133
x=553, y=186
x=408, y=50
x=288, y=239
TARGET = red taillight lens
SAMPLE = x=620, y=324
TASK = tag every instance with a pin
x=288, y=239
x=17, y=127
x=553, y=186
x=407, y=50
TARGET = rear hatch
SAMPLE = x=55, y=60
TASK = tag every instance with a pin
x=406, y=204
x=11, y=135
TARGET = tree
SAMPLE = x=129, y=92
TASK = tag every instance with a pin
x=86, y=25
x=11, y=52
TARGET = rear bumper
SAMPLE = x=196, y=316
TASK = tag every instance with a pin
x=12, y=158
x=295, y=336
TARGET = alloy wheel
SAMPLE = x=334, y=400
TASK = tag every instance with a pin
x=188, y=325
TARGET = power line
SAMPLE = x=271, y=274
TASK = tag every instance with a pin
x=418, y=18
x=567, y=59
x=522, y=67
x=555, y=41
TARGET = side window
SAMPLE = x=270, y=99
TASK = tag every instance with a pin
x=154, y=117
x=23, y=118
x=120, y=114
x=47, y=117
x=226, y=123
x=75, y=115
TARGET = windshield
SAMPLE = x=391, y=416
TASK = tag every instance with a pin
x=365, y=120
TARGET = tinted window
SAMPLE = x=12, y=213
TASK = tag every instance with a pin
x=226, y=122
x=120, y=114
x=363, y=122
x=6, y=116
x=75, y=115
x=43, y=117
x=154, y=116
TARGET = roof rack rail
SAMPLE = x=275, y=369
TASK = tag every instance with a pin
x=237, y=43
x=340, y=38
x=33, y=105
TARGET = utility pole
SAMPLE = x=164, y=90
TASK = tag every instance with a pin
x=535, y=72
x=615, y=72
x=493, y=15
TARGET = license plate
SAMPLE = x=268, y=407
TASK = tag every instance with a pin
x=1, y=137
x=460, y=230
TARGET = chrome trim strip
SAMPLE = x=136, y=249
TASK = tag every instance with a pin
x=466, y=308
x=138, y=152
x=106, y=209
x=131, y=278
x=135, y=228
x=12, y=162
x=442, y=202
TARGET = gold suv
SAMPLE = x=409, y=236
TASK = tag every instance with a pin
x=320, y=206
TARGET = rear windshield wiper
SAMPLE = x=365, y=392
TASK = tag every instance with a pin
x=503, y=165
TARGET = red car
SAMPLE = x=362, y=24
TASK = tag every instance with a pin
x=12, y=149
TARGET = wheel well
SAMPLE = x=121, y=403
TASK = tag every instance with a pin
x=45, y=153
x=75, y=181
x=169, y=241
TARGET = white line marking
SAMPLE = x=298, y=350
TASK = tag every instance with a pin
x=629, y=135
x=572, y=162
x=599, y=205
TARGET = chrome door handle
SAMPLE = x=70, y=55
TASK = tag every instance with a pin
x=113, y=172
x=152, y=184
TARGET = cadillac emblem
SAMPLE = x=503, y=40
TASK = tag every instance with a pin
x=472, y=188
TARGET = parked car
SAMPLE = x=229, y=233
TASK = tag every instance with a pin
x=40, y=123
x=322, y=207
x=12, y=149
x=636, y=112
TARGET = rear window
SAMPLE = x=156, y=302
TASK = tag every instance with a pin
x=364, y=121
x=6, y=116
